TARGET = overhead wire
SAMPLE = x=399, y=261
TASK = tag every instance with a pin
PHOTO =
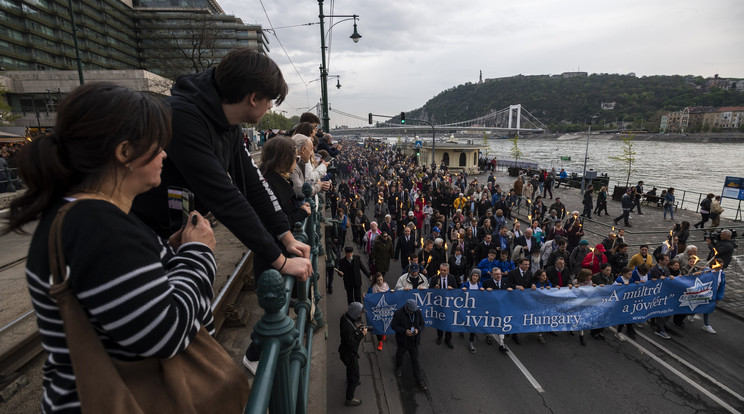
x=273, y=31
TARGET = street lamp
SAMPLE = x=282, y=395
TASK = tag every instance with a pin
x=586, y=154
x=355, y=36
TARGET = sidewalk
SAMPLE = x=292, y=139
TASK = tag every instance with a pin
x=648, y=228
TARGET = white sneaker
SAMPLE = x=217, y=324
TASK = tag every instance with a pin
x=663, y=334
x=691, y=318
x=251, y=365
x=620, y=337
x=697, y=317
x=709, y=329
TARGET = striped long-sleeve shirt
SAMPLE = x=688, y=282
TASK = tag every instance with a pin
x=143, y=299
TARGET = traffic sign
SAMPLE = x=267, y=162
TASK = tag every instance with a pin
x=418, y=144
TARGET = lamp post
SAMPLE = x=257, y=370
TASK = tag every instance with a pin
x=586, y=154
x=323, y=70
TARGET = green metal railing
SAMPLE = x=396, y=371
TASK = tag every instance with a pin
x=10, y=182
x=283, y=374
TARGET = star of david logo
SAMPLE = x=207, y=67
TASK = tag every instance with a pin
x=699, y=294
x=384, y=312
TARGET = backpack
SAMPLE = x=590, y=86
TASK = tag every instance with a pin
x=705, y=204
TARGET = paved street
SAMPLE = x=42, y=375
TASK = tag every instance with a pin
x=693, y=372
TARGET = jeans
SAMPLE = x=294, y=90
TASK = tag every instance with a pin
x=669, y=208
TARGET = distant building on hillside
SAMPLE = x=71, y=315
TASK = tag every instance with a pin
x=699, y=118
x=574, y=74
x=608, y=106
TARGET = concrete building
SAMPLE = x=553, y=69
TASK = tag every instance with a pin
x=457, y=156
x=34, y=95
x=120, y=34
x=144, y=44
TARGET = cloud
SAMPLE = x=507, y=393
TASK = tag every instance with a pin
x=412, y=50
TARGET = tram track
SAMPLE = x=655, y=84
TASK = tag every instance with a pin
x=20, y=340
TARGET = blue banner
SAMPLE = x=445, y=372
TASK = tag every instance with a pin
x=543, y=310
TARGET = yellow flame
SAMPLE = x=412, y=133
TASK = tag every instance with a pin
x=428, y=260
x=445, y=246
x=592, y=249
x=717, y=264
x=613, y=228
x=516, y=221
x=529, y=217
x=697, y=259
x=422, y=242
x=715, y=252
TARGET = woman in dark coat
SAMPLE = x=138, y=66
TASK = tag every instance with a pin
x=278, y=158
x=588, y=202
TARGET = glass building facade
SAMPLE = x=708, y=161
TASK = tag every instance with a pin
x=166, y=37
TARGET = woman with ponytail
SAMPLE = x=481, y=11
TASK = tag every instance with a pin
x=144, y=296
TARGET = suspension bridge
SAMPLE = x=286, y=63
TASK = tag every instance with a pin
x=512, y=119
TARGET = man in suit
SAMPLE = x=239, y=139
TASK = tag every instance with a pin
x=482, y=248
x=496, y=282
x=528, y=242
x=408, y=323
x=405, y=246
x=558, y=273
x=351, y=268
x=520, y=278
x=501, y=240
x=444, y=280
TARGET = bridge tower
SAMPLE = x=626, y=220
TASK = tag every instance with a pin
x=515, y=114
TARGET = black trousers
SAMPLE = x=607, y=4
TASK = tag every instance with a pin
x=352, y=378
x=447, y=335
x=624, y=216
x=353, y=293
x=330, y=273
x=413, y=352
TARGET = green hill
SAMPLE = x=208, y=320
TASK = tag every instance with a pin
x=566, y=104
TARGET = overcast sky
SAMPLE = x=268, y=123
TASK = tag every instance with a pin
x=413, y=49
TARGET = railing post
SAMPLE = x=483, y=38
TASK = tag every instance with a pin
x=277, y=326
x=313, y=240
x=9, y=178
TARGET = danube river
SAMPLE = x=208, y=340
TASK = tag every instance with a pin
x=691, y=166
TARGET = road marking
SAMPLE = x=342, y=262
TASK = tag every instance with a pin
x=676, y=372
x=694, y=368
x=525, y=372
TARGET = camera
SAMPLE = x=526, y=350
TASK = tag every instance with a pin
x=715, y=235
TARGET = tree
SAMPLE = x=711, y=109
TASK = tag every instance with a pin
x=6, y=113
x=188, y=48
x=516, y=153
x=628, y=155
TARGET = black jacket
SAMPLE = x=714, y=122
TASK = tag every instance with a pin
x=492, y=284
x=552, y=273
x=481, y=251
x=204, y=149
x=522, y=241
x=352, y=271
x=514, y=279
x=435, y=282
x=404, y=249
x=351, y=336
x=402, y=322
x=286, y=196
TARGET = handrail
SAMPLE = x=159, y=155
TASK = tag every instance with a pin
x=283, y=374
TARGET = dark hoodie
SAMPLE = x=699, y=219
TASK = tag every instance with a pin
x=205, y=148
